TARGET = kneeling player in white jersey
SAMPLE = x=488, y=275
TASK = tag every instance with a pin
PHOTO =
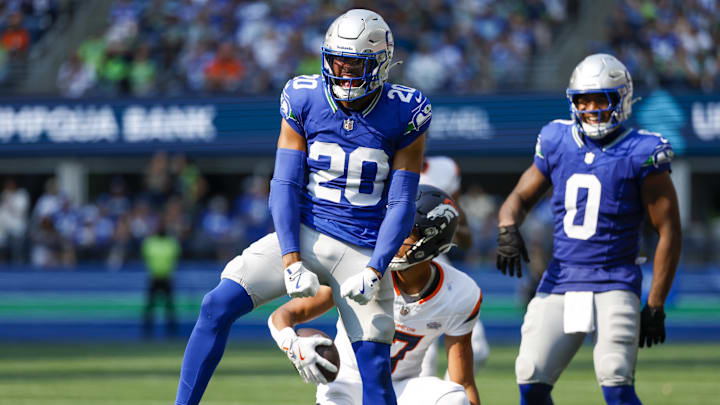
x=431, y=299
x=444, y=173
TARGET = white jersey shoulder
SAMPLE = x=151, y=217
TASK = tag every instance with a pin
x=441, y=172
x=450, y=308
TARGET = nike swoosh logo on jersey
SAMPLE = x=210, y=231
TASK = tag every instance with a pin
x=297, y=285
x=362, y=290
x=300, y=353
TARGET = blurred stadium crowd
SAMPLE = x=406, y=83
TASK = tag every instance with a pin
x=668, y=42
x=248, y=47
x=52, y=231
x=168, y=47
x=22, y=24
x=463, y=46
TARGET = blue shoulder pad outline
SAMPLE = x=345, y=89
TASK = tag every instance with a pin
x=293, y=99
x=547, y=141
x=659, y=157
x=419, y=112
x=539, y=159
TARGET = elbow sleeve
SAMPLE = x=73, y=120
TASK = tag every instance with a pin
x=399, y=218
x=285, y=188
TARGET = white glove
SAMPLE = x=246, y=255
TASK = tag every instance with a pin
x=300, y=282
x=361, y=287
x=301, y=352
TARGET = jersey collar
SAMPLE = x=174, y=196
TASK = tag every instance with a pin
x=432, y=291
x=373, y=103
x=576, y=137
x=580, y=143
x=617, y=140
x=329, y=99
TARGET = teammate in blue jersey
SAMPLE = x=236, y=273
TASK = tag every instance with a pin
x=342, y=199
x=605, y=178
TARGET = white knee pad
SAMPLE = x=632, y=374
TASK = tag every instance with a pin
x=453, y=398
x=527, y=372
x=524, y=370
x=615, y=369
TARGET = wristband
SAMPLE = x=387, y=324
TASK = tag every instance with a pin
x=282, y=337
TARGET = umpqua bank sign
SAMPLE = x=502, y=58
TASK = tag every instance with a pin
x=85, y=123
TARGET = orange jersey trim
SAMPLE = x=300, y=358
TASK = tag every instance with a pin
x=476, y=309
x=432, y=294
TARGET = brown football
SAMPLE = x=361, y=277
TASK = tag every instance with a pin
x=328, y=352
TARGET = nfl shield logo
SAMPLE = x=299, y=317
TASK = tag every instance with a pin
x=404, y=310
x=348, y=124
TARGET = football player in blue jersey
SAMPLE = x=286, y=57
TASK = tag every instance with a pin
x=605, y=178
x=342, y=200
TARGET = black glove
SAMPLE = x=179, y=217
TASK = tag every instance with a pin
x=652, y=326
x=511, y=248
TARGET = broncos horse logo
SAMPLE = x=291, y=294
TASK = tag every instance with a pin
x=446, y=210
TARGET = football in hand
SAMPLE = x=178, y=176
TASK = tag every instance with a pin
x=330, y=353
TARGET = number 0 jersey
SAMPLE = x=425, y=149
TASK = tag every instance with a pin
x=350, y=153
x=597, y=205
x=449, y=307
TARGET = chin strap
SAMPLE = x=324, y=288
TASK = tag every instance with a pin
x=398, y=264
x=351, y=93
x=402, y=263
x=595, y=131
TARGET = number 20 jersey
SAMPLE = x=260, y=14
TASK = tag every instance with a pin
x=597, y=205
x=350, y=153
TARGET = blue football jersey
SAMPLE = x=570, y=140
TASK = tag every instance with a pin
x=597, y=205
x=350, y=154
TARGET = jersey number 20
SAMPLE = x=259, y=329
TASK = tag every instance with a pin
x=355, y=160
x=592, y=206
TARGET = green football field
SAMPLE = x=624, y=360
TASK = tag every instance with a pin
x=147, y=373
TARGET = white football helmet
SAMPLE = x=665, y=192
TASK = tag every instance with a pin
x=601, y=73
x=363, y=41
